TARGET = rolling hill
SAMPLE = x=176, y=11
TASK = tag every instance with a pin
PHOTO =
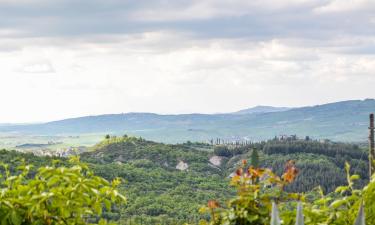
x=168, y=183
x=342, y=121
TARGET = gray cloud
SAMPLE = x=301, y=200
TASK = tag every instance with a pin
x=147, y=55
x=207, y=19
x=310, y=23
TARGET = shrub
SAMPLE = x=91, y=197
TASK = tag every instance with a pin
x=56, y=195
x=258, y=189
x=222, y=150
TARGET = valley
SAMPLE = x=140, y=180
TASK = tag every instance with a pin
x=339, y=121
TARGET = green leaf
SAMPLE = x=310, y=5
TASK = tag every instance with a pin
x=15, y=218
x=107, y=204
x=338, y=203
x=341, y=189
x=354, y=177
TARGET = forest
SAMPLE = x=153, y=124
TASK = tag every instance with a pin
x=157, y=191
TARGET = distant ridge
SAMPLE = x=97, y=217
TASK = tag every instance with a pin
x=342, y=121
x=261, y=109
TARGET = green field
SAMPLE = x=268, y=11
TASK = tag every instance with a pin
x=49, y=143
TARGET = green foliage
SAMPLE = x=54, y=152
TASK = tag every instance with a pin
x=324, y=148
x=222, y=150
x=155, y=189
x=254, y=158
x=158, y=193
x=55, y=195
x=258, y=189
x=320, y=163
x=369, y=201
x=230, y=151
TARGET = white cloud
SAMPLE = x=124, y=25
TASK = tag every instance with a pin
x=38, y=67
x=208, y=9
x=200, y=56
x=346, y=6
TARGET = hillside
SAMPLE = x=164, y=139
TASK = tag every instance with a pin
x=341, y=121
x=158, y=187
x=166, y=182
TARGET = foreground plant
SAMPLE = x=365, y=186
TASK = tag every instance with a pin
x=56, y=195
x=257, y=189
x=261, y=200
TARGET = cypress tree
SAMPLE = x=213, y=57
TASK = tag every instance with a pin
x=255, y=158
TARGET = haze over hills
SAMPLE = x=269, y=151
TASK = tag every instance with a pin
x=344, y=121
x=262, y=109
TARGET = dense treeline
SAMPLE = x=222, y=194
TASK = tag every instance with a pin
x=321, y=162
x=330, y=149
x=316, y=170
x=277, y=146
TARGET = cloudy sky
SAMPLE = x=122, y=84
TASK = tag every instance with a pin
x=68, y=58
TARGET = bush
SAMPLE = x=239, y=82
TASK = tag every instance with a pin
x=223, y=151
x=56, y=195
x=258, y=189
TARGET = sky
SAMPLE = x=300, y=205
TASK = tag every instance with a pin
x=69, y=58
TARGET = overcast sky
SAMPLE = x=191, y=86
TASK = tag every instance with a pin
x=68, y=58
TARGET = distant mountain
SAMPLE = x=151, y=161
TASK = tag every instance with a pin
x=345, y=121
x=261, y=109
